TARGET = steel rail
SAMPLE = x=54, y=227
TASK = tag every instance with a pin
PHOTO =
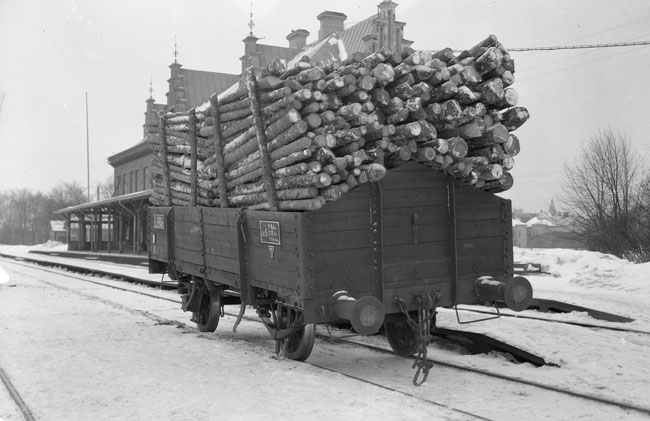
x=162, y=284
x=162, y=320
x=644, y=410
x=15, y=396
x=589, y=397
x=81, y=269
x=566, y=322
x=442, y=405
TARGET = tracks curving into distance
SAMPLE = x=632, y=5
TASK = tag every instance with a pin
x=161, y=320
x=359, y=342
x=15, y=396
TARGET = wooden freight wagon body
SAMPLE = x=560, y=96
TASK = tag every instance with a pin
x=416, y=232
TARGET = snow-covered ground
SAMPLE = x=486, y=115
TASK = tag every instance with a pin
x=72, y=355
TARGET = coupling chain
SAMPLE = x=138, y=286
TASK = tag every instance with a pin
x=422, y=331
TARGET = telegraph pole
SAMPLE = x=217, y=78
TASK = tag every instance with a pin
x=87, y=150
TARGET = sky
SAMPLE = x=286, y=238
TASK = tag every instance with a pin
x=54, y=52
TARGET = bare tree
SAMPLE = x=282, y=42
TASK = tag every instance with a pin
x=66, y=194
x=25, y=217
x=642, y=229
x=599, y=191
x=105, y=188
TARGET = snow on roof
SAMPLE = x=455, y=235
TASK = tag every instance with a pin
x=57, y=226
x=536, y=221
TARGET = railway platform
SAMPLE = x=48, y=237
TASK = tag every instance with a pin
x=133, y=268
x=126, y=259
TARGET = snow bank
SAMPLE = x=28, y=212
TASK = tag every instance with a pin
x=14, y=249
x=4, y=277
x=50, y=245
x=591, y=279
x=590, y=269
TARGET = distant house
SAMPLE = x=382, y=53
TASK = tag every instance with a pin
x=58, y=231
x=545, y=230
x=119, y=223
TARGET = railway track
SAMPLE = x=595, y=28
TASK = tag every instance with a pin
x=172, y=285
x=161, y=320
x=15, y=397
x=566, y=322
x=357, y=341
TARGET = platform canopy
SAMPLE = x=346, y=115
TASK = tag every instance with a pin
x=117, y=223
x=100, y=205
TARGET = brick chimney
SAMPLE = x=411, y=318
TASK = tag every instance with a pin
x=330, y=22
x=298, y=38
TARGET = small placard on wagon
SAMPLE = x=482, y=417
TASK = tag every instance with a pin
x=158, y=221
x=270, y=232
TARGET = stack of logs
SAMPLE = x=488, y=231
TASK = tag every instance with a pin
x=295, y=138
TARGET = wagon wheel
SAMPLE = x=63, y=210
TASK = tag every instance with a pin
x=209, y=311
x=401, y=336
x=297, y=346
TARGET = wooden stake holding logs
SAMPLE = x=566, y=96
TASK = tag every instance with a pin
x=253, y=94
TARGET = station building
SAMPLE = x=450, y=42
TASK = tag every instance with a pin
x=119, y=224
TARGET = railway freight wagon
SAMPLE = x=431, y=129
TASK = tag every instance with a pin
x=387, y=253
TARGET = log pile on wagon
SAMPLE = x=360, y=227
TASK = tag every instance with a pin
x=293, y=138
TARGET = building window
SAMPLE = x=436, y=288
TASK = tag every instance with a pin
x=123, y=183
x=145, y=175
x=131, y=182
x=137, y=178
x=118, y=185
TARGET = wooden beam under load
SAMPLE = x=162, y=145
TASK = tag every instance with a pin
x=193, y=157
x=163, y=152
x=269, y=183
x=219, y=153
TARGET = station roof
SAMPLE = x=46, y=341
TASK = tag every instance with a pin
x=127, y=155
x=199, y=85
x=102, y=204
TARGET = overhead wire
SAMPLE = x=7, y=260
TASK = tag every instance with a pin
x=527, y=69
x=592, y=47
x=612, y=28
x=582, y=64
x=533, y=52
x=579, y=47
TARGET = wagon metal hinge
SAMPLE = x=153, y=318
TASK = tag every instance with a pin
x=453, y=235
x=245, y=292
x=376, y=229
x=416, y=221
x=202, y=226
x=171, y=258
